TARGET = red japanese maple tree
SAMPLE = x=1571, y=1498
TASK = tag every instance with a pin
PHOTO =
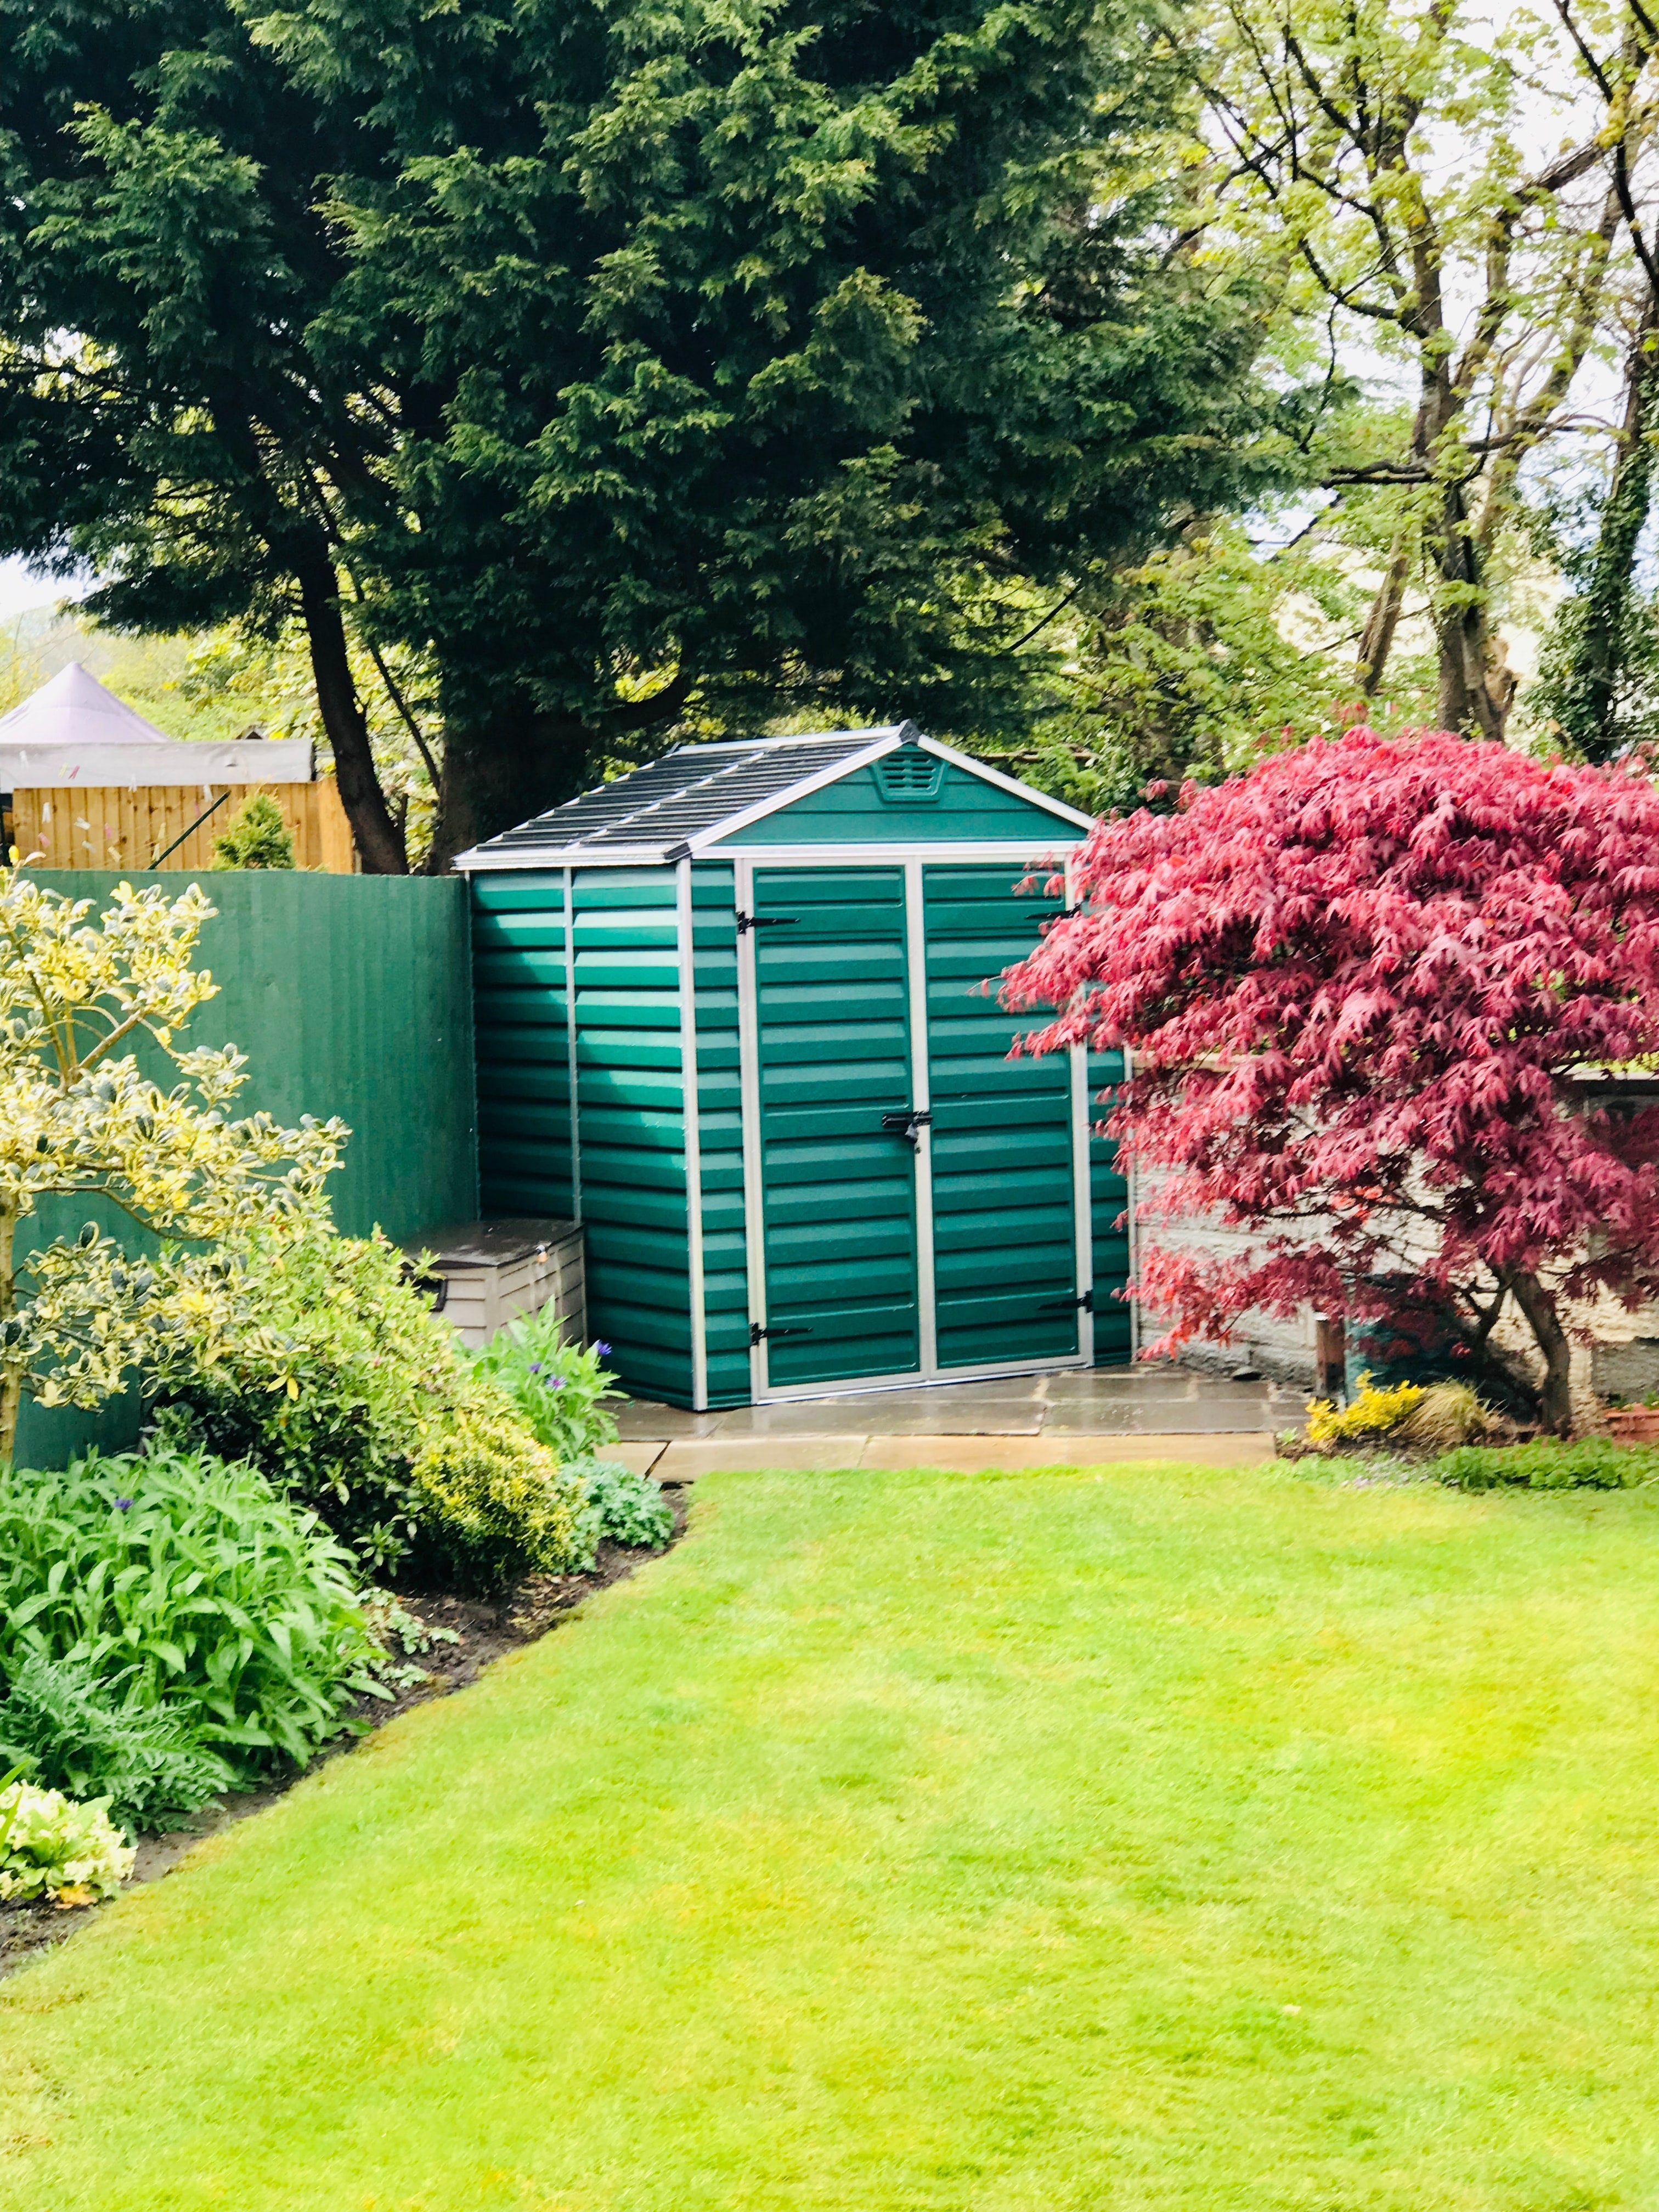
x=1364, y=987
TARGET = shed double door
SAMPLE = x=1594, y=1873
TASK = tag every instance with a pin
x=913, y=1194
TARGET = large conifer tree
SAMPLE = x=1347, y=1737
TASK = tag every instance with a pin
x=726, y=362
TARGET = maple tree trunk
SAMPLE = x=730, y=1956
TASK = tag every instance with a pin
x=378, y=840
x=1555, y=1401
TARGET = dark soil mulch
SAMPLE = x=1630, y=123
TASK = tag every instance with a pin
x=485, y=1629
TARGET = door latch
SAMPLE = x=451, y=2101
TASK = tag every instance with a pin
x=766, y=922
x=908, y=1122
x=1085, y=1301
x=759, y=1335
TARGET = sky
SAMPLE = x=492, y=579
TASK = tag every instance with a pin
x=21, y=589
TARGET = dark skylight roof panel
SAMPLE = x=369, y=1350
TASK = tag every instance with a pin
x=692, y=790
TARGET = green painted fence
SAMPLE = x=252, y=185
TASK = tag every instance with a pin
x=351, y=995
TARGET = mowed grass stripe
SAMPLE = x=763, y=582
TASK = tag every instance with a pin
x=1139, y=1839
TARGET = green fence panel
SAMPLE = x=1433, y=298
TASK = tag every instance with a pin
x=351, y=995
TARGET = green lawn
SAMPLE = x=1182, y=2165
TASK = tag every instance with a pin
x=1142, y=1839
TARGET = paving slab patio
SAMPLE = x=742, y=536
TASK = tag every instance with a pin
x=1077, y=1418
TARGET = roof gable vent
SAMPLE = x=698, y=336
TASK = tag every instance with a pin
x=907, y=776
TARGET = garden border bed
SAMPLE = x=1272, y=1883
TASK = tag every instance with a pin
x=487, y=1630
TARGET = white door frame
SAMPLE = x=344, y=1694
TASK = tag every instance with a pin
x=929, y=1375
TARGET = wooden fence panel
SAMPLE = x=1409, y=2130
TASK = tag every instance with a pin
x=114, y=827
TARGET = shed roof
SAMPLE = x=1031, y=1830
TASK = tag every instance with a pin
x=695, y=795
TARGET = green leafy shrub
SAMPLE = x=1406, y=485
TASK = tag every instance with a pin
x=256, y=836
x=175, y=1581
x=559, y=1388
x=70, y=1732
x=355, y=1398
x=1592, y=1463
x=50, y=1846
x=622, y=1508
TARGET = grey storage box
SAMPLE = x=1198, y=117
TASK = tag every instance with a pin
x=495, y=1270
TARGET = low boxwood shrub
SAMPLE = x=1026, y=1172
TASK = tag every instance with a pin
x=358, y=1400
x=172, y=1580
x=1591, y=1463
x=50, y=1846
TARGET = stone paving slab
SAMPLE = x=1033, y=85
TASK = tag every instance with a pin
x=944, y=1411
x=1146, y=1401
x=637, y=1458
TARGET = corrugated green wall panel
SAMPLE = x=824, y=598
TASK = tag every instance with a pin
x=1005, y=1231
x=631, y=1125
x=523, y=1045
x=832, y=1012
x=350, y=996
x=725, y=1251
x=1109, y=1195
x=853, y=812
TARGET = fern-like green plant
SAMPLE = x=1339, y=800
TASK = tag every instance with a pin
x=177, y=1582
x=65, y=1729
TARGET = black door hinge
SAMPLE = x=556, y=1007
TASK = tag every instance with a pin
x=766, y=920
x=759, y=1335
x=1085, y=1301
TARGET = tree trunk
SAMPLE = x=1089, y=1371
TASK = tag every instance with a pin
x=1555, y=1403
x=379, y=843
x=1476, y=685
x=504, y=763
x=1376, y=641
x=1589, y=708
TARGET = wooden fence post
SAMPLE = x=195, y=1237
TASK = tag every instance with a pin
x=1330, y=1357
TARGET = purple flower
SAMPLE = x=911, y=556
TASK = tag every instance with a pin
x=604, y=1351
x=535, y=1366
x=555, y=1382
x=123, y=1504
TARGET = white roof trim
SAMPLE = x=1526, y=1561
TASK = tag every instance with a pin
x=1009, y=783
x=760, y=744
x=946, y=851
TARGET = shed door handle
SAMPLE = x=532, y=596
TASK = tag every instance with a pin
x=908, y=1122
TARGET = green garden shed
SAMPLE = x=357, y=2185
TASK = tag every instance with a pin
x=732, y=1018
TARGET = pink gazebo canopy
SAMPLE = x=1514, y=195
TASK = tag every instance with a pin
x=75, y=709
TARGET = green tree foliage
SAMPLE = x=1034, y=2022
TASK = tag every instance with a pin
x=1451, y=193
x=1598, y=687
x=1190, y=665
x=733, y=364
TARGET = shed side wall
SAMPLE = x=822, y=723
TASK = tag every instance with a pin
x=524, y=1082
x=630, y=1121
x=726, y=1272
